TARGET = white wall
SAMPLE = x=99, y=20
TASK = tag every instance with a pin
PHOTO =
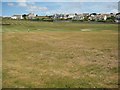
x=14, y=17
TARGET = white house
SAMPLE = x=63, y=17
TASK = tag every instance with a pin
x=13, y=17
x=55, y=16
x=105, y=17
x=117, y=20
x=86, y=14
x=60, y=16
x=31, y=16
x=71, y=16
x=17, y=17
x=78, y=17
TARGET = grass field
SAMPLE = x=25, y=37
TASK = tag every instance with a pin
x=60, y=55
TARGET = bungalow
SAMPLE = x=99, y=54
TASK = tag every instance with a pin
x=17, y=17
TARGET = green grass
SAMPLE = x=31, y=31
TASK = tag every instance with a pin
x=32, y=26
x=60, y=55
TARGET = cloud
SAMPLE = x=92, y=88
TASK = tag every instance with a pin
x=112, y=5
x=10, y=4
x=31, y=6
x=64, y=8
x=84, y=7
x=34, y=9
x=22, y=4
x=114, y=11
x=67, y=7
x=21, y=0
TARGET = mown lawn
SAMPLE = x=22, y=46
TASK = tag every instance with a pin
x=60, y=55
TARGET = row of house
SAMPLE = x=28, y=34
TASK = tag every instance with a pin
x=92, y=16
x=83, y=16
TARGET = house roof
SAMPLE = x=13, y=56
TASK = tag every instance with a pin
x=31, y=14
x=16, y=15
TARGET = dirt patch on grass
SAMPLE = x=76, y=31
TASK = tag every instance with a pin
x=86, y=30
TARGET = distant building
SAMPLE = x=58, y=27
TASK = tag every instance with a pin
x=60, y=16
x=71, y=16
x=17, y=17
x=105, y=17
x=117, y=18
x=56, y=16
x=86, y=14
x=78, y=17
x=31, y=16
x=98, y=17
x=75, y=16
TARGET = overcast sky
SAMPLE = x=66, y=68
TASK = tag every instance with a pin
x=11, y=7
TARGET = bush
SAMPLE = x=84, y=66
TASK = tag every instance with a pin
x=48, y=20
x=77, y=20
x=100, y=21
x=110, y=20
x=92, y=20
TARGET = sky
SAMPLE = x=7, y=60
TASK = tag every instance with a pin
x=45, y=7
x=60, y=0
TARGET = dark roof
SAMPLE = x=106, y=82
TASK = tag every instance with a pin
x=117, y=13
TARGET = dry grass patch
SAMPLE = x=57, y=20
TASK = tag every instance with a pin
x=60, y=59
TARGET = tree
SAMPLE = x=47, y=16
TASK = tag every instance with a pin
x=111, y=19
x=50, y=16
x=75, y=13
x=24, y=16
x=94, y=13
x=67, y=15
x=36, y=15
x=86, y=18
